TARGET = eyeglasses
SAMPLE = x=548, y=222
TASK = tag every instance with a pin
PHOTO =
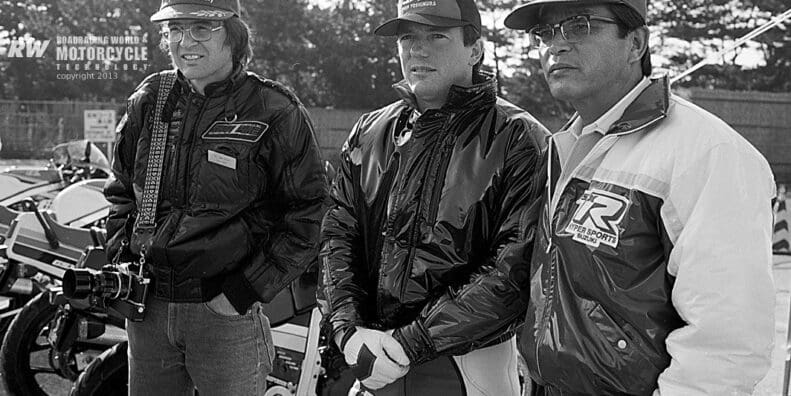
x=573, y=30
x=199, y=32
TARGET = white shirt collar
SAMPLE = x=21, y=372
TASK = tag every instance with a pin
x=603, y=124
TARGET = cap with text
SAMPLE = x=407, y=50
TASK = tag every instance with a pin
x=211, y=10
x=526, y=16
x=439, y=13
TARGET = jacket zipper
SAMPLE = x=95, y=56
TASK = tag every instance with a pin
x=413, y=237
x=185, y=182
x=553, y=260
x=190, y=149
x=441, y=171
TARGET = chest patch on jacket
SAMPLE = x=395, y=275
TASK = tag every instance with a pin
x=597, y=217
x=242, y=131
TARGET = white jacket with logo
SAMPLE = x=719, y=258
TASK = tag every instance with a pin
x=654, y=274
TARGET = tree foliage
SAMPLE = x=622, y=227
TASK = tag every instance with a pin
x=331, y=58
x=36, y=78
x=714, y=25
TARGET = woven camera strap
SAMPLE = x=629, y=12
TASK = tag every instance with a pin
x=145, y=223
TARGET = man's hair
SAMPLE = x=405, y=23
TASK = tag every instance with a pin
x=470, y=35
x=238, y=36
x=629, y=20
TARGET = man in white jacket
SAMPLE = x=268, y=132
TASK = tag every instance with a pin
x=652, y=267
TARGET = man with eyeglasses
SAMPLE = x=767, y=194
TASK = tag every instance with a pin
x=652, y=266
x=433, y=210
x=238, y=211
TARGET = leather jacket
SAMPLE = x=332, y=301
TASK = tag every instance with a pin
x=241, y=194
x=429, y=231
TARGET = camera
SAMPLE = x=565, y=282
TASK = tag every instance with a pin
x=121, y=287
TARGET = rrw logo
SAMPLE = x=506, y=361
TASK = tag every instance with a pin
x=27, y=48
x=598, y=215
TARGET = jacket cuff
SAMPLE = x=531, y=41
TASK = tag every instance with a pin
x=239, y=292
x=345, y=334
x=416, y=343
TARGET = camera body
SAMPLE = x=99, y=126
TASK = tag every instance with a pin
x=121, y=287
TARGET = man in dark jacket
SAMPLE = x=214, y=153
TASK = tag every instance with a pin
x=652, y=266
x=423, y=252
x=238, y=212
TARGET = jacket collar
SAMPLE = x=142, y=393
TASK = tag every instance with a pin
x=218, y=88
x=483, y=92
x=648, y=107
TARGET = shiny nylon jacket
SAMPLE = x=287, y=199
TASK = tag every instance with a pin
x=430, y=238
x=667, y=217
x=240, y=201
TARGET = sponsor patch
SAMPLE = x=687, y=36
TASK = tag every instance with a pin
x=222, y=159
x=242, y=131
x=598, y=215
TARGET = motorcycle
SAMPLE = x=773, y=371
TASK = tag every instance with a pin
x=70, y=163
x=70, y=187
x=39, y=250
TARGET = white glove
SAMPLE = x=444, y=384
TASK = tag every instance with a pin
x=375, y=357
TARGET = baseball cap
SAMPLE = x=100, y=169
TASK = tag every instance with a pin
x=212, y=10
x=525, y=16
x=441, y=13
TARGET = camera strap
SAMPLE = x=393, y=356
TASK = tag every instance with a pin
x=145, y=224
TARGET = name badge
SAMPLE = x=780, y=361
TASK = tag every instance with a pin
x=222, y=159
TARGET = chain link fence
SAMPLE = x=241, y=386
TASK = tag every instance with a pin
x=30, y=129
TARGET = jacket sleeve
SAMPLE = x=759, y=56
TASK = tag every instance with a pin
x=492, y=302
x=719, y=216
x=341, y=279
x=295, y=205
x=118, y=189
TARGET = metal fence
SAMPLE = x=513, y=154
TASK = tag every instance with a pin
x=30, y=129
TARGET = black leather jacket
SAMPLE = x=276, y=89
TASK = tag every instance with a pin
x=240, y=202
x=430, y=237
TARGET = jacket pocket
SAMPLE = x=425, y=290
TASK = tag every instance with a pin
x=625, y=361
x=223, y=174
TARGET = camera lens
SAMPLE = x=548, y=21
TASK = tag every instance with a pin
x=77, y=283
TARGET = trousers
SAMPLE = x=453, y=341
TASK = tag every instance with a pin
x=180, y=347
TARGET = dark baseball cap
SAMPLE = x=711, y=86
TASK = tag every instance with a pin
x=525, y=16
x=211, y=10
x=440, y=13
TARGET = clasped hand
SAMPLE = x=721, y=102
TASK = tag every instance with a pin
x=375, y=357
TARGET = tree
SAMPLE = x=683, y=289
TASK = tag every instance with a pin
x=37, y=78
x=711, y=26
x=495, y=33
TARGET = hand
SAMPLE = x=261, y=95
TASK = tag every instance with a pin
x=375, y=357
x=222, y=306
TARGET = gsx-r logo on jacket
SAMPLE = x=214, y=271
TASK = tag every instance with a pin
x=597, y=217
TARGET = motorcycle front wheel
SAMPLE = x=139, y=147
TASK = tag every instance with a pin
x=107, y=375
x=25, y=364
